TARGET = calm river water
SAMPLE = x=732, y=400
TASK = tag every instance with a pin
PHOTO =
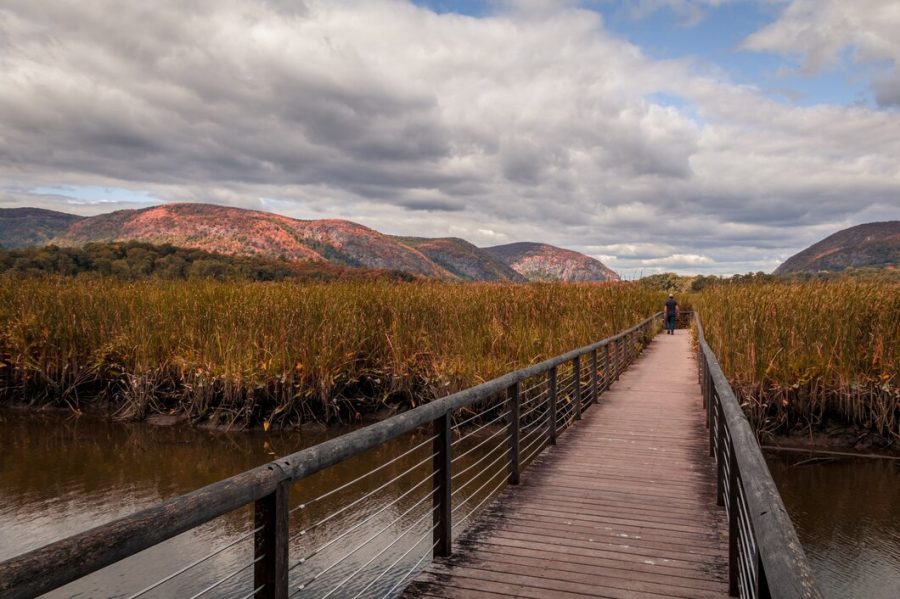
x=60, y=475
x=847, y=514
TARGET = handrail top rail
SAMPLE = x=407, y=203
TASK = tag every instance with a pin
x=787, y=571
x=108, y=543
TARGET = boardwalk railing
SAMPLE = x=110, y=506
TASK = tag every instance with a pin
x=765, y=558
x=478, y=441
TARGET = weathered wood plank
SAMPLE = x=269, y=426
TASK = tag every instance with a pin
x=623, y=506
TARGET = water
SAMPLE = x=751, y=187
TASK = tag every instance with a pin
x=847, y=515
x=61, y=475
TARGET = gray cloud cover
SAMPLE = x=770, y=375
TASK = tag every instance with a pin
x=535, y=123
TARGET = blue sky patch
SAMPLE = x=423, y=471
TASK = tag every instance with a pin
x=93, y=194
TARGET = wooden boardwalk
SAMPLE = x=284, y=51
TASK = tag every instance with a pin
x=624, y=506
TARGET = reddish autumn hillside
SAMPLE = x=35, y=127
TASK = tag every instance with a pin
x=236, y=231
x=463, y=259
x=542, y=262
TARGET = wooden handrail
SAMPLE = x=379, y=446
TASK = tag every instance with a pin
x=779, y=568
x=54, y=565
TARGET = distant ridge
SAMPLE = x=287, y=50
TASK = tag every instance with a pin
x=871, y=245
x=240, y=232
x=464, y=259
x=25, y=227
x=236, y=231
x=543, y=262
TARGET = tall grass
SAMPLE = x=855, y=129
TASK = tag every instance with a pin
x=285, y=352
x=803, y=353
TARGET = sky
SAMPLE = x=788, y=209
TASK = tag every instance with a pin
x=694, y=136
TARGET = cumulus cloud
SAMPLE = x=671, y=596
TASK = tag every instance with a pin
x=532, y=123
x=820, y=32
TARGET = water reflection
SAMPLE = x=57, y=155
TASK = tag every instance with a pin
x=359, y=526
x=847, y=514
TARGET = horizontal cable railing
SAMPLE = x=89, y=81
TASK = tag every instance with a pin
x=765, y=558
x=439, y=465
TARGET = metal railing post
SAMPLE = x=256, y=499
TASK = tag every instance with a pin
x=594, y=377
x=270, y=543
x=576, y=367
x=440, y=484
x=512, y=395
x=552, y=398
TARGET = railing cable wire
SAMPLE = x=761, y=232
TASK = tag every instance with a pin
x=306, y=504
x=364, y=543
x=230, y=576
x=359, y=524
x=359, y=500
x=195, y=563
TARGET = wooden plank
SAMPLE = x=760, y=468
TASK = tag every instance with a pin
x=623, y=506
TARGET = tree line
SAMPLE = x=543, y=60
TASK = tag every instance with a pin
x=134, y=260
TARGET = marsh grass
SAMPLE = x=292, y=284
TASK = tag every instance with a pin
x=804, y=354
x=282, y=353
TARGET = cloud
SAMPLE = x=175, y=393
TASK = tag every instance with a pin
x=823, y=33
x=532, y=123
x=679, y=260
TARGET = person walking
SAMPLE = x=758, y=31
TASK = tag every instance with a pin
x=671, y=312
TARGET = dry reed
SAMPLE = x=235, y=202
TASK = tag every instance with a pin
x=805, y=353
x=283, y=353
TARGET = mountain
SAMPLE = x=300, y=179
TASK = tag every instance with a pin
x=542, y=262
x=463, y=259
x=24, y=227
x=236, y=231
x=869, y=245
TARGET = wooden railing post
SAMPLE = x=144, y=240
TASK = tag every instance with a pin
x=270, y=543
x=702, y=380
x=552, y=398
x=440, y=484
x=594, y=377
x=576, y=367
x=720, y=458
x=733, y=524
x=512, y=395
x=762, y=584
x=710, y=414
x=710, y=390
x=617, y=357
x=606, y=380
x=630, y=347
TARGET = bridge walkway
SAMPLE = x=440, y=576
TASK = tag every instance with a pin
x=623, y=506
